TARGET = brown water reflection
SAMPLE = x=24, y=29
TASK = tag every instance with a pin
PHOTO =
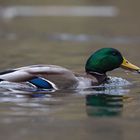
x=68, y=41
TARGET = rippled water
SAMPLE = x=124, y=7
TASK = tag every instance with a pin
x=110, y=111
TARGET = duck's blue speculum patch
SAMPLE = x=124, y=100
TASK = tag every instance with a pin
x=41, y=83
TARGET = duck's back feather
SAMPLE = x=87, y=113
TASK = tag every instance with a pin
x=7, y=71
x=61, y=77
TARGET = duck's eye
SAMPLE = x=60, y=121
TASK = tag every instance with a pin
x=114, y=53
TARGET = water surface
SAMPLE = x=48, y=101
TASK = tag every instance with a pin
x=95, y=113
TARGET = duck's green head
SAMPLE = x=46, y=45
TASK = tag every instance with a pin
x=107, y=59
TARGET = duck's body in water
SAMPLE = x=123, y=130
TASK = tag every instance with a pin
x=51, y=76
x=61, y=77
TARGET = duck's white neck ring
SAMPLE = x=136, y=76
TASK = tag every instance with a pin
x=96, y=73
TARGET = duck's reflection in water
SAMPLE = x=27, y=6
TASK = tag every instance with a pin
x=104, y=105
x=109, y=99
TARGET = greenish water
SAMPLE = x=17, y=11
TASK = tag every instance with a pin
x=68, y=41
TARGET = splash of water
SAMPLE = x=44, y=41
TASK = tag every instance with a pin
x=116, y=82
x=114, y=86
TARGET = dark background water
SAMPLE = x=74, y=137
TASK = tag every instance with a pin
x=68, y=41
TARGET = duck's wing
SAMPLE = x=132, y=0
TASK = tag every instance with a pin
x=56, y=74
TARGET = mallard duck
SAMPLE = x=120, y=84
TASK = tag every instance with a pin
x=56, y=77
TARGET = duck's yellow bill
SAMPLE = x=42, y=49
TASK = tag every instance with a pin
x=127, y=65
